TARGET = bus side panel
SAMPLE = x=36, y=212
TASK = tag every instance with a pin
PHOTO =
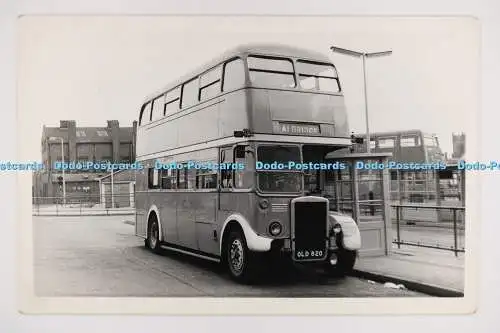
x=233, y=113
x=207, y=114
x=186, y=209
x=234, y=202
x=141, y=208
x=167, y=205
x=206, y=222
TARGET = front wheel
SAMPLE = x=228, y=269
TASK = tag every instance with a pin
x=240, y=261
x=346, y=261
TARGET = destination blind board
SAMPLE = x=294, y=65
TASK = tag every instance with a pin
x=296, y=128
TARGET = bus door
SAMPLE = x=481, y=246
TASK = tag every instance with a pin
x=235, y=184
x=362, y=193
x=226, y=199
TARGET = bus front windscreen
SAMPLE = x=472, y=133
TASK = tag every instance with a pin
x=274, y=174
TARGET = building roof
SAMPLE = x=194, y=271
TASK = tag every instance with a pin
x=89, y=134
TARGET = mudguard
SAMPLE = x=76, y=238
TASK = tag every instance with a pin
x=254, y=242
x=351, y=239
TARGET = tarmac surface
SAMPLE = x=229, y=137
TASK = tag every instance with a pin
x=100, y=256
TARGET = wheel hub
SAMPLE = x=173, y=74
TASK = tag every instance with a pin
x=236, y=255
x=153, y=237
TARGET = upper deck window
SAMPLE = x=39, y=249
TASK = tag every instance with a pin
x=145, y=114
x=317, y=76
x=386, y=142
x=410, y=141
x=271, y=72
x=430, y=141
x=158, y=107
x=210, y=83
x=234, y=74
x=172, y=100
x=190, y=93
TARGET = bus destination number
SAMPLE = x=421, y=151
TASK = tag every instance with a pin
x=304, y=254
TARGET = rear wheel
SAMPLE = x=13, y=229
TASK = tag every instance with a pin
x=153, y=240
x=240, y=261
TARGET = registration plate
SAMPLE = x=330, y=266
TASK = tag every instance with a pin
x=309, y=254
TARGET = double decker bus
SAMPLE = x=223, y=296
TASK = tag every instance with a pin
x=253, y=105
x=410, y=146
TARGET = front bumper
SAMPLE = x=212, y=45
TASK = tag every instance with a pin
x=282, y=249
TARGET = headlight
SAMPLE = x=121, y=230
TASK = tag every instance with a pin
x=275, y=228
x=337, y=229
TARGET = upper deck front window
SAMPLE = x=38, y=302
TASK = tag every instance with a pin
x=271, y=72
x=430, y=141
x=410, y=141
x=317, y=76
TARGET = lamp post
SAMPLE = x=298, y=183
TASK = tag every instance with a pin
x=363, y=56
x=112, y=190
x=62, y=158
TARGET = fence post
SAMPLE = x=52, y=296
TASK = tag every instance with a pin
x=397, y=225
x=455, y=230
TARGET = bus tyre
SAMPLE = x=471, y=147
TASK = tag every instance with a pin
x=346, y=261
x=239, y=259
x=153, y=240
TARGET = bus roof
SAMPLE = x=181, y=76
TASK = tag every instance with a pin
x=254, y=48
x=397, y=133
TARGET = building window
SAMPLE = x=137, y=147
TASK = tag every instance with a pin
x=83, y=151
x=210, y=83
x=80, y=134
x=102, y=133
x=103, y=152
x=271, y=72
x=125, y=152
x=190, y=93
x=172, y=100
x=234, y=74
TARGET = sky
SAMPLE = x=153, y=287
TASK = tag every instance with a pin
x=93, y=69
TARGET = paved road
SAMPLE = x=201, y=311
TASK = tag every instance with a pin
x=100, y=256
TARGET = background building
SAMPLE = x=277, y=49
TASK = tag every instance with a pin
x=81, y=144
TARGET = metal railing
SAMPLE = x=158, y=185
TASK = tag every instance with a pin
x=427, y=235
x=78, y=205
